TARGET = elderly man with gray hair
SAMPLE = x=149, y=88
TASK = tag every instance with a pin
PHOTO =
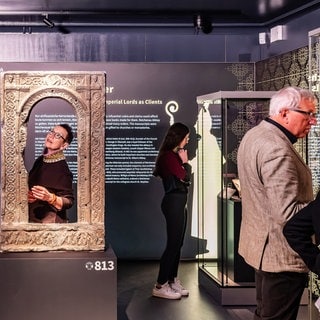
x=275, y=184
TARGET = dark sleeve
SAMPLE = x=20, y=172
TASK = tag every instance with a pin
x=299, y=231
x=65, y=190
x=187, y=168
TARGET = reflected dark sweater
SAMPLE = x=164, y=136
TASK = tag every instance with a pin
x=57, y=178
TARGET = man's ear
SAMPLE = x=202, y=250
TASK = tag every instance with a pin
x=284, y=112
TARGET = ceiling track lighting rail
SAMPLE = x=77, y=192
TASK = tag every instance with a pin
x=107, y=19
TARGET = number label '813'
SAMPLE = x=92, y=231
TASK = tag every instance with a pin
x=100, y=265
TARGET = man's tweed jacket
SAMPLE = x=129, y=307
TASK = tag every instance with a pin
x=275, y=184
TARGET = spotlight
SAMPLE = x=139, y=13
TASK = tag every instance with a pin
x=202, y=23
x=48, y=22
x=197, y=23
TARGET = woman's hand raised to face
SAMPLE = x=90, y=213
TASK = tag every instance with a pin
x=183, y=154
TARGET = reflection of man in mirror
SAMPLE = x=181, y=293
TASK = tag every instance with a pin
x=50, y=179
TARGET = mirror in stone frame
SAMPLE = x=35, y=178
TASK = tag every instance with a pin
x=84, y=92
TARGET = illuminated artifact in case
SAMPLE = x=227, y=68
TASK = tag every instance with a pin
x=85, y=92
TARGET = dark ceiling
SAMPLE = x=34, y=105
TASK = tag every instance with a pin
x=149, y=12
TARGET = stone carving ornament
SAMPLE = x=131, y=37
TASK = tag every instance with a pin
x=85, y=91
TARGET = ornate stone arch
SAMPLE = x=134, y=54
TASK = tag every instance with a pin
x=85, y=91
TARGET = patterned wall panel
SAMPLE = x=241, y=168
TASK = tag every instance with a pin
x=287, y=69
x=292, y=69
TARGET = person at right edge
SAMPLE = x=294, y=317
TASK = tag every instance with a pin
x=275, y=184
x=175, y=172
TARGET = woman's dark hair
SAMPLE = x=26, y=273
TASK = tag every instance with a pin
x=69, y=131
x=175, y=134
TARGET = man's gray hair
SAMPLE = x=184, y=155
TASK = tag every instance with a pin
x=289, y=98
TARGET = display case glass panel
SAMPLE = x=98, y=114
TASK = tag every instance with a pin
x=223, y=119
x=314, y=151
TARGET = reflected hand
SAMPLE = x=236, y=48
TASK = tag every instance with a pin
x=41, y=193
x=31, y=198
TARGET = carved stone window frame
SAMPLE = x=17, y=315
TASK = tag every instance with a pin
x=20, y=92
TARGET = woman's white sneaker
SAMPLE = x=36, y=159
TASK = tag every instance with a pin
x=177, y=286
x=166, y=292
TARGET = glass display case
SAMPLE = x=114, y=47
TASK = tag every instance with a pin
x=314, y=150
x=223, y=119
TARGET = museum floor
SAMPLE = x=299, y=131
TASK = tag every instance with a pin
x=135, y=282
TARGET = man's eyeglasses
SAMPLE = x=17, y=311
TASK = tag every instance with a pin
x=56, y=135
x=310, y=114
